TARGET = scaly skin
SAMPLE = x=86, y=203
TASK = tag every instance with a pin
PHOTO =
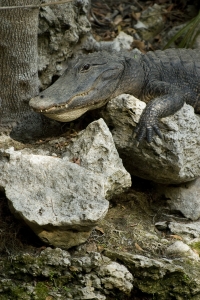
x=165, y=80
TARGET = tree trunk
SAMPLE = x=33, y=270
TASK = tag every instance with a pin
x=18, y=69
x=18, y=59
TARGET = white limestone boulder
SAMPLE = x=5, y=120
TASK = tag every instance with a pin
x=60, y=200
x=95, y=149
x=174, y=159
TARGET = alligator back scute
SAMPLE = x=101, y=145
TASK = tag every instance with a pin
x=175, y=56
x=176, y=66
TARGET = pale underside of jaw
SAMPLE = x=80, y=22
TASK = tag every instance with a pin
x=67, y=116
x=70, y=115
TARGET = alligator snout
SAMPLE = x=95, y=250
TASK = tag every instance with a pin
x=41, y=103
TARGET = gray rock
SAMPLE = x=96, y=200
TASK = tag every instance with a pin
x=57, y=266
x=54, y=197
x=185, y=198
x=189, y=229
x=163, y=278
x=116, y=276
x=60, y=29
x=174, y=159
x=163, y=225
x=179, y=248
x=197, y=42
x=112, y=275
x=96, y=150
x=122, y=42
x=62, y=201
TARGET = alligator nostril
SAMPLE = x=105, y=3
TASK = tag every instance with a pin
x=41, y=96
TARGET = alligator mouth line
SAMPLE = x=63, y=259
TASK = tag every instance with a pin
x=64, y=106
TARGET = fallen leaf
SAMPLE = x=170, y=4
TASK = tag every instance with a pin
x=175, y=236
x=133, y=225
x=138, y=247
x=130, y=31
x=100, y=248
x=140, y=45
x=76, y=160
x=118, y=19
x=99, y=229
x=136, y=15
x=170, y=7
x=195, y=251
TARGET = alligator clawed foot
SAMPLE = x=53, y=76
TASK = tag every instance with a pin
x=146, y=131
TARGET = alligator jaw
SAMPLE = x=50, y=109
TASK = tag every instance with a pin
x=53, y=108
x=66, y=112
x=66, y=115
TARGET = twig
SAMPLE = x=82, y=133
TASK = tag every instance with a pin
x=95, y=19
x=36, y=6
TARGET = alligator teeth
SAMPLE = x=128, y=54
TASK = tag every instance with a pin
x=83, y=94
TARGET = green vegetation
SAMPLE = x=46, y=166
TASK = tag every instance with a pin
x=187, y=34
x=41, y=291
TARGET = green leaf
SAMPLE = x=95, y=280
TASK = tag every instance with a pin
x=188, y=33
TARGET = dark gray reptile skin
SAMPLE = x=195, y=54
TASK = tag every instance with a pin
x=165, y=80
x=172, y=77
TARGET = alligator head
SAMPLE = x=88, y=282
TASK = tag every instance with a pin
x=88, y=83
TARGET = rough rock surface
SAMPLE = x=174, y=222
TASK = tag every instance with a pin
x=188, y=229
x=179, y=248
x=159, y=276
x=122, y=42
x=174, y=159
x=96, y=151
x=75, y=278
x=184, y=198
x=60, y=29
x=60, y=200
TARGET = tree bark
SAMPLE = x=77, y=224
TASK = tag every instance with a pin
x=18, y=59
x=19, y=72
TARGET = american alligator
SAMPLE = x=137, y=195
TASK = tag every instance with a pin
x=165, y=80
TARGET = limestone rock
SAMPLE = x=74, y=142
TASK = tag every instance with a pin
x=60, y=200
x=174, y=159
x=116, y=276
x=96, y=150
x=179, y=248
x=60, y=29
x=188, y=229
x=122, y=42
x=54, y=196
x=184, y=198
x=62, y=269
x=163, y=278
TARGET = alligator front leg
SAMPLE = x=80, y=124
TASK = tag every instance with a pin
x=156, y=109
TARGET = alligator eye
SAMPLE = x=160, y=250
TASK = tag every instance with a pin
x=85, y=67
